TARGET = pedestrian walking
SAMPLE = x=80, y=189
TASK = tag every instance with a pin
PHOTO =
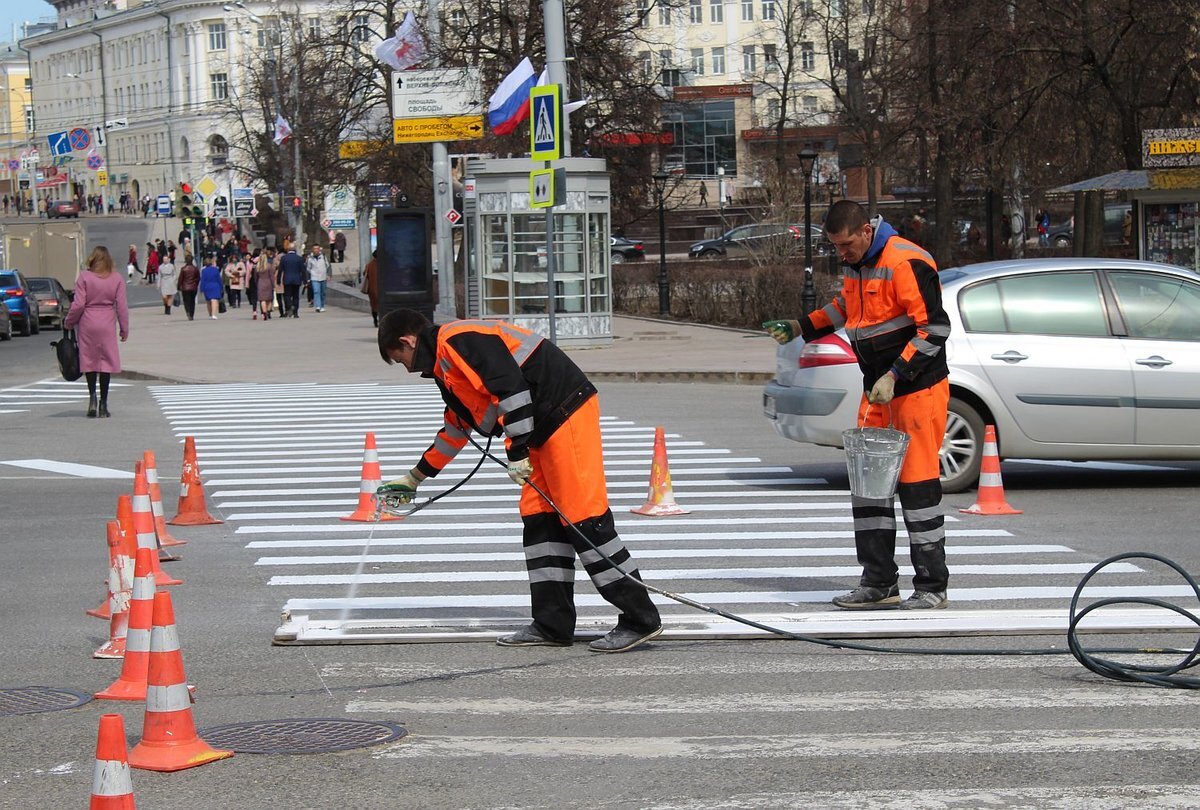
x=318, y=270
x=99, y=313
x=189, y=285
x=339, y=248
x=211, y=285
x=265, y=281
x=370, y=285
x=235, y=276
x=152, y=262
x=890, y=304
x=168, y=284
x=497, y=378
x=132, y=267
x=291, y=274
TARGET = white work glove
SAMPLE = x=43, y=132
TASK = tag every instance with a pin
x=782, y=331
x=883, y=390
x=402, y=489
x=520, y=471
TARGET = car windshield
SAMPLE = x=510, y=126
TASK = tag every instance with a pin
x=41, y=285
x=8, y=278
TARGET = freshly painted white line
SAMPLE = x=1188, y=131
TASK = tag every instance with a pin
x=460, y=512
x=943, y=745
x=652, y=574
x=68, y=468
x=801, y=703
x=345, y=449
x=745, y=479
x=1095, y=465
x=642, y=554
x=589, y=600
x=624, y=528
x=349, y=460
x=16, y=410
x=350, y=498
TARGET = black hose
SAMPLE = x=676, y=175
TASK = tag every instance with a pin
x=1156, y=676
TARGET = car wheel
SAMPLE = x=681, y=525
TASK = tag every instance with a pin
x=1062, y=242
x=36, y=325
x=7, y=333
x=617, y=258
x=962, y=447
x=710, y=254
x=25, y=329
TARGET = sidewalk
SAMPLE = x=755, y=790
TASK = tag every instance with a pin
x=339, y=346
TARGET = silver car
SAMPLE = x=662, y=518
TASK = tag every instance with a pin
x=1075, y=359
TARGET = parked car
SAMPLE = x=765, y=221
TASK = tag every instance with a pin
x=6, y=324
x=62, y=208
x=53, y=300
x=1063, y=234
x=1074, y=359
x=749, y=239
x=626, y=250
x=19, y=300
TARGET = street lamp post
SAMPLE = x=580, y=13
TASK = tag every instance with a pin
x=721, y=197
x=664, y=285
x=808, y=297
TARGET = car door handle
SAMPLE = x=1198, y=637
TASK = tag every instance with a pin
x=1154, y=361
x=1010, y=357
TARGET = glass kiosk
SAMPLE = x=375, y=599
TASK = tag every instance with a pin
x=508, y=273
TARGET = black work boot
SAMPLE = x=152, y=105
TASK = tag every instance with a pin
x=103, y=410
x=91, y=411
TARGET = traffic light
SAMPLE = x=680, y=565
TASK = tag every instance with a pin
x=184, y=199
x=297, y=204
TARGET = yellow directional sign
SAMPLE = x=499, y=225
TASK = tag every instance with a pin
x=442, y=128
x=101, y=177
x=356, y=150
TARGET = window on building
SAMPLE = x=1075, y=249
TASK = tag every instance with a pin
x=772, y=110
x=268, y=33
x=30, y=121
x=749, y=59
x=698, y=61
x=768, y=9
x=216, y=36
x=643, y=9
x=458, y=18
x=718, y=61
x=695, y=12
x=314, y=27
x=704, y=137
x=716, y=11
x=647, y=63
x=747, y=10
x=839, y=53
x=29, y=83
x=810, y=105
x=808, y=56
x=770, y=57
x=218, y=86
x=836, y=8
x=664, y=14
x=362, y=29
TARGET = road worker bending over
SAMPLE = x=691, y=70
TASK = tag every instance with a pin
x=891, y=306
x=495, y=377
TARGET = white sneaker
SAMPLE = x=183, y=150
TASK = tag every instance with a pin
x=214, y=317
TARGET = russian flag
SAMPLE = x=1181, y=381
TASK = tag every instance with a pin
x=509, y=105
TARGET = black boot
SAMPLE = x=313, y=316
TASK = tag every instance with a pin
x=103, y=410
x=91, y=411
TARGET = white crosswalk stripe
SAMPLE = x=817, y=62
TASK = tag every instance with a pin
x=49, y=391
x=748, y=522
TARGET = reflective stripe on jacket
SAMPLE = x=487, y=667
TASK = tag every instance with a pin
x=891, y=307
x=495, y=377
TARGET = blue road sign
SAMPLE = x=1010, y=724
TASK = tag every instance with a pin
x=545, y=122
x=60, y=144
x=163, y=204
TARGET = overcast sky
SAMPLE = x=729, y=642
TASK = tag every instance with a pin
x=15, y=12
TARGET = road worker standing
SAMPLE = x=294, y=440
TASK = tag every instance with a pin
x=891, y=307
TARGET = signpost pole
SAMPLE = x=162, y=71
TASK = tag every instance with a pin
x=550, y=262
x=443, y=197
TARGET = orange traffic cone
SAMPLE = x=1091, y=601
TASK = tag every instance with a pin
x=143, y=525
x=372, y=478
x=169, y=740
x=112, y=789
x=160, y=522
x=192, y=511
x=660, y=499
x=116, y=546
x=990, y=500
x=119, y=591
x=131, y=685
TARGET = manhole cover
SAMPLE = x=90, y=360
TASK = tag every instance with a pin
x=300, y=736
x=33, y=699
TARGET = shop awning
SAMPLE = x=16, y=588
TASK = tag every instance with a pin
x=1136, y=180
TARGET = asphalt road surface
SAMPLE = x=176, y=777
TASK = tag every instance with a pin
x=711, y=723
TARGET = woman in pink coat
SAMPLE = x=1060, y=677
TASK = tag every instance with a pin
x=97, y=310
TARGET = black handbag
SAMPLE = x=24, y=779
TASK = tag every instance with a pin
x=67, y=351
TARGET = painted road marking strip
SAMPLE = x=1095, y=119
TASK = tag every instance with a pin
x=68, y=468
x=676, y=483
x=390, y=528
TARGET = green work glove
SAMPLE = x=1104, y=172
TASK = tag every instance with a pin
x=403, y=489
x=883, y=390
x=519, y=471
x=782, y=331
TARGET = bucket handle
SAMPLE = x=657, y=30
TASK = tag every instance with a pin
x=867, y=412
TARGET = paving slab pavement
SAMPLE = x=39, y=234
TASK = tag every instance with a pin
x=339, y=346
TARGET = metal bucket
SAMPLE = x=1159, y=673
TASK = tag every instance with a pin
x=874, y=457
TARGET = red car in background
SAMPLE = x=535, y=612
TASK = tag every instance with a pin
x=62, y=209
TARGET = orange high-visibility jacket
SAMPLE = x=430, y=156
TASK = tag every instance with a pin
x=891, y=307
x=497, y=378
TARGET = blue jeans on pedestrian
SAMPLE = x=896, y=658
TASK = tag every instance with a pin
x=318, y=291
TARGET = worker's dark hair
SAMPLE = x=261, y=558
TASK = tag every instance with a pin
x=397, y=324
x=845, y=216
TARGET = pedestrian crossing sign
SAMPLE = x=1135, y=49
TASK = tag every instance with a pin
x=547, y=188
x=546, y=122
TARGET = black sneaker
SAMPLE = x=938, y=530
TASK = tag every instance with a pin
x=621, y=639
x=529, y=637
x=868, y=597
